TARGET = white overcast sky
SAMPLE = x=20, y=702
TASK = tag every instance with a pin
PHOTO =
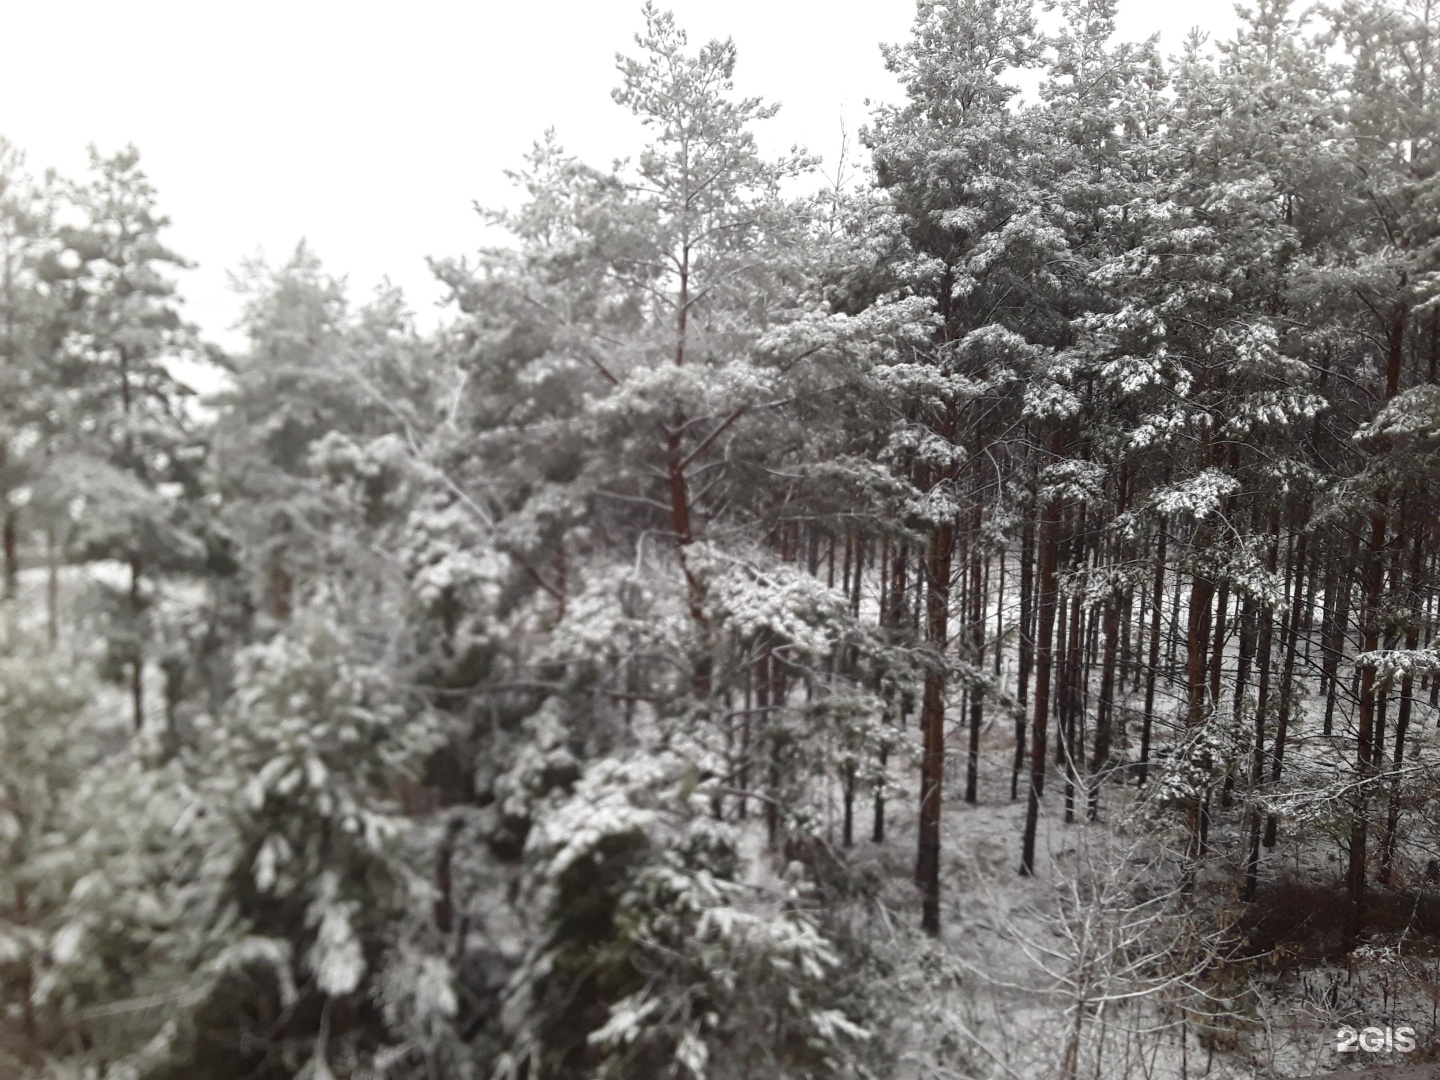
x=370, y=129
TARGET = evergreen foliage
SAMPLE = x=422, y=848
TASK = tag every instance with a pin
x=548, y=695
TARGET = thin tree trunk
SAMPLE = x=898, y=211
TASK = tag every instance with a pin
x=1365, y=764
x=1371, y=629
x=777, y=738
x=1328, y=608
x=1044, y=636
x=1402, y=721
x=10, y=531
x=856, y=576
x=742, y=807
x=1197, y=665
x=1336, y=650
x=1172, y=641
x=1307, y=612
x=1249, y=636
x=1027, y=603
x=762, y=715
x=12, y=548
x=894, y=615
x=1217, y=654
x=29, y=1028
x=1071, y=689
x=681, y=511
x=1287, y=680
x=1061, y=678
x=977, y=648
x=999, y=616
x=1100, y=764
x=848, y=795
x=1157, y=600
x=1128, y=660
x=137, y=665
x=1257, y=760
x=52, y=588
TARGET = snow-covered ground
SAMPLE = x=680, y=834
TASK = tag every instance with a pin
x=1096, y=935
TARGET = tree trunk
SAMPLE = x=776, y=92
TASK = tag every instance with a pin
x=137, y=665
x=1157, y=603
x=1027, y=603
x=1218, y=640
x=742, y=808
x=1287, y=679
x=932, y=722
x=977, y=649
x=11, y=578
x=1061, y=707
x=762, y=714
x=1335, y=652
x=1402, y=721
x=52, y=588
x=999, y=617
x=1197, y=670
x=1365, y=763
x=848, y=794
x=29, y=1028
x=1257, y=759
x=1128, y=660
x=1246, y=651
x=1172, y=639
x=1100, y=764
x=1044, y=636
x=1328, y=609
x=856, y=576
x=1074, y=665
x=893, y=615
x=779, y=740
x=12, y=549
x=1371, y=630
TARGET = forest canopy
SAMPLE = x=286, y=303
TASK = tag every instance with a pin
x=967, y=611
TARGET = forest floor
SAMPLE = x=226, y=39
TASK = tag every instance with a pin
x=1032, y=956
